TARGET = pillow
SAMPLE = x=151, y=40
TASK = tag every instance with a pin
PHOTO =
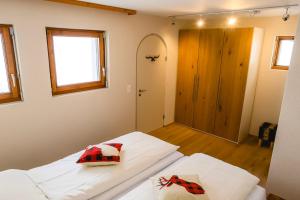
x=178, y=187
x=103, y=154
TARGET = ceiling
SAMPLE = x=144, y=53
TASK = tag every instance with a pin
x=178, y=7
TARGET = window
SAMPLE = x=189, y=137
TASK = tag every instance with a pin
x=77, y=60
x=283, y=52
x=9, y=84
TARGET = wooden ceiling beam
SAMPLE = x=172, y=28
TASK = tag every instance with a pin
x=97, y=6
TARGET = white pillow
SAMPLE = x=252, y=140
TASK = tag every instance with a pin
x=178, y=187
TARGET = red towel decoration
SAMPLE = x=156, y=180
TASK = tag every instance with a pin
x=190, y=187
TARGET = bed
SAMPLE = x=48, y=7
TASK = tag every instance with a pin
x=64, y=179
x=143, y=156
x=221, y=180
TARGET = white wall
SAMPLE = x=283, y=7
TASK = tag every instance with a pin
x=284, y=174
x=270, y=84
x=43, y=128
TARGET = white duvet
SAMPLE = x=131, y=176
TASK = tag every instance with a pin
x=16, y=185
x=220, y=180
x=64, y=179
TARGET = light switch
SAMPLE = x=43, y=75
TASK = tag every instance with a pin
x=128, y=88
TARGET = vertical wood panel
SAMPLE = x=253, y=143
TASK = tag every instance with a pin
x=234, y=71
x=187, y=67
x=209, y=63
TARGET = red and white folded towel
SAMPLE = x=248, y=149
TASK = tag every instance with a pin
x=178, y=187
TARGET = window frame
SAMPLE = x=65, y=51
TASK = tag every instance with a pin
x=11, y=65
x=57, y=90
x=276, y=52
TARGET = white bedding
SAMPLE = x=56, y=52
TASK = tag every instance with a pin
x=64, y=179
x=258, y=193
x=219, y=179
x=134, y=181
x=16, y=185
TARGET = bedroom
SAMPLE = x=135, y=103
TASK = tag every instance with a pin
x=44, y=127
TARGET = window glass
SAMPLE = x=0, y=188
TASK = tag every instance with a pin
x=4, y=84
x=285, y=52
x=76, y=59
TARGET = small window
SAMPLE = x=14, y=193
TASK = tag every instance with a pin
x=77, y=60
x=9, y=84
x=283, y=52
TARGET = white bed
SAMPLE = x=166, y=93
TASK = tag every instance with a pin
x=220, y=180
x=64, y=179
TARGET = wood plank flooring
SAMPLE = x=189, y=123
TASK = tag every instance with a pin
x=247, y=155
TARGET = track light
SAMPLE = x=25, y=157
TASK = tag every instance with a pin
x=286, y=15
x=252, y=11
x=200, y=23
x=173, y=21
x=231, y=21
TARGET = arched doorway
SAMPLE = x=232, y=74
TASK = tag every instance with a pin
x=151, y=70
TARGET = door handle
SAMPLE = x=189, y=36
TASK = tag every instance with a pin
x=140, y=90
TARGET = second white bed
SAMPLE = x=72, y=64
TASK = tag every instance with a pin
x=220, y=180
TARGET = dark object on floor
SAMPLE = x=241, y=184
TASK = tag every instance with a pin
x=267, y=134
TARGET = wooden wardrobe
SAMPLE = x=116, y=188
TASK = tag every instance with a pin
x=216, y=81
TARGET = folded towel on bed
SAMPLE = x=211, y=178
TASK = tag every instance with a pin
x=183, y=187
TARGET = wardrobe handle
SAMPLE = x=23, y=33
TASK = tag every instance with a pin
x=194, y=89
x=197, y=87
x=219, y=98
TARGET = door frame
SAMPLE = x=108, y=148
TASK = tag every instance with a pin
x=136, y=70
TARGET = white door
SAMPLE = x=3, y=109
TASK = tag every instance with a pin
x=151, y=83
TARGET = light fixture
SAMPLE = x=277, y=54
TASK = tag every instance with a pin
x=231, y=21
x=286, y=15
x=200, y=23
x=173, y=21
x=252, y=11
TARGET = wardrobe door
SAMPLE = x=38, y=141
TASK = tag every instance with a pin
x=187, y=67
x=209, y=63
x=233, y=78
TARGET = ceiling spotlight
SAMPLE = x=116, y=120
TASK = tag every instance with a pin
x=286, y=15
x=173, y=21
x=254, y=12
x=232, y=21
x=200, y=23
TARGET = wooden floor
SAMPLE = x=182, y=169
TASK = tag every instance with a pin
x=246, y=155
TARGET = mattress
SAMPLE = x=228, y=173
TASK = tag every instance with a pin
x=220, y=180
x=136, y=180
